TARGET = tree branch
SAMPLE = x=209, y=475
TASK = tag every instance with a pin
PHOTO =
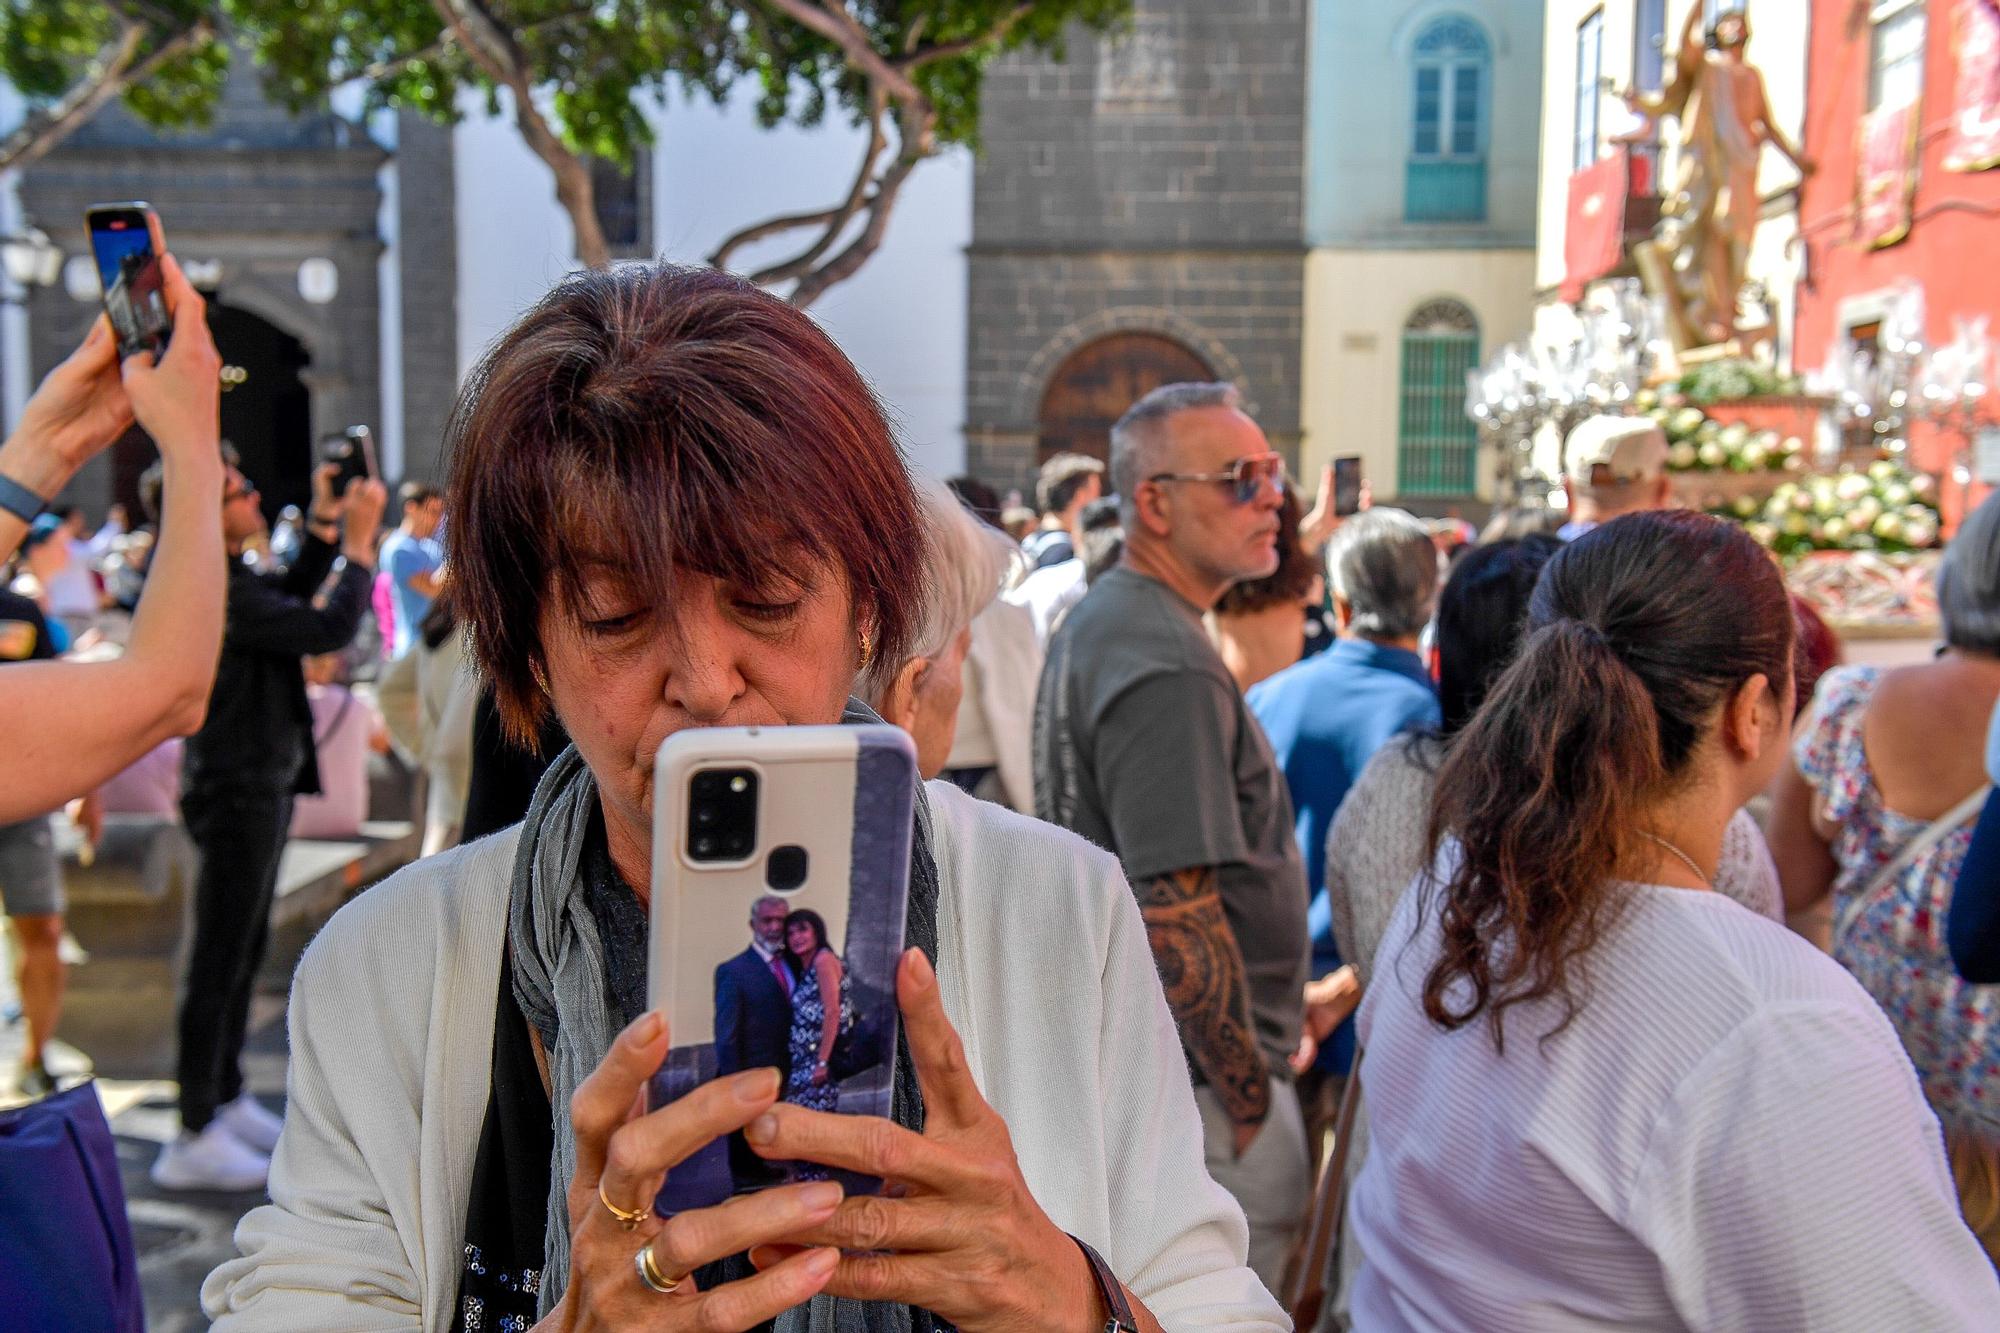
x=832, y=21
x=950, y=50
x=833, y=221
x=499, y=57
x=722, y=254
x=387, y=69
x=116, y=68
x=917, y=139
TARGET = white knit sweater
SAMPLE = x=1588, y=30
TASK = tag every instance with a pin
x=1044, y=970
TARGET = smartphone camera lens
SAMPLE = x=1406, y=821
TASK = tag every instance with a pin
x=722, y=814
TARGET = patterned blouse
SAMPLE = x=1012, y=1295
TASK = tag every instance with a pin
x=1896, y=949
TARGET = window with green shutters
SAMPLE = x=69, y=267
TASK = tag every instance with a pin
x=1437, y=444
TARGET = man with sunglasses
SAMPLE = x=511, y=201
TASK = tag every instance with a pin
x=1144, y=746
x=240, y=772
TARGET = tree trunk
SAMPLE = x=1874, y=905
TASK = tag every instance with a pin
x=574, y=190
x=578, y=197
x=492, y=48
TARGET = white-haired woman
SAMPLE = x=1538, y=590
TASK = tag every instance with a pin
x=965, y=562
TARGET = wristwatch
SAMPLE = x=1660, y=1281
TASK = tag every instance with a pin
x=19, y=501
x=1122, y=1320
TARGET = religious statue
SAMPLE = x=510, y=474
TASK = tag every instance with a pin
x=1698, y=257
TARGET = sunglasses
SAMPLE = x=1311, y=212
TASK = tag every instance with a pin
x=1246, y=478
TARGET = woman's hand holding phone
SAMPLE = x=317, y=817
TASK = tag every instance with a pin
x=178, y=398
x=623, y=1155
x=78, y=410
x=958, y=1232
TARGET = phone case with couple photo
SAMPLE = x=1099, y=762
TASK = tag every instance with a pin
x=780, y=885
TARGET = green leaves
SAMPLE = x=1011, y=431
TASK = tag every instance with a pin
x=55, y=50
x=597, y=62
x=588, y=70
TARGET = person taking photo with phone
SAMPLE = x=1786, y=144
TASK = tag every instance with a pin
x=69, y=726
x=674, y=503
x=240, y=772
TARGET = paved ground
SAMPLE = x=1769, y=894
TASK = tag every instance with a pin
x=180, y=1237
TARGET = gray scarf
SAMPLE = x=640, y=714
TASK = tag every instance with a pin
x=559, y=981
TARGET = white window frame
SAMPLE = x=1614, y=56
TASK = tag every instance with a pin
x=1885, y=16
x=1447, y=66
x=1649, y=49
x=1589, y=92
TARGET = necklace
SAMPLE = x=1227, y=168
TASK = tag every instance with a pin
x=1686, y=860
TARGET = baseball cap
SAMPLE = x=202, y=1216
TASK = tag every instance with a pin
x=1626, y=448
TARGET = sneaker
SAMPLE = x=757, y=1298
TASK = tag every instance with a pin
x=253, y=1126
x=214, y=1159
x=35, y=1081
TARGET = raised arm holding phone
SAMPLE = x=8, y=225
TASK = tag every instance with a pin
x=71, y=725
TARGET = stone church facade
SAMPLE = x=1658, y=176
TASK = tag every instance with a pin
x=1138, y=218
x=245, y=203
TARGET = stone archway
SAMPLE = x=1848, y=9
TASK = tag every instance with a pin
x=1094, y=385
x=266, y=413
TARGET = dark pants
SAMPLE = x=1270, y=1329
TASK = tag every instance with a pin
x=240, y=834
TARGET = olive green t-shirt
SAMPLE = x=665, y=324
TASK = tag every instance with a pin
x=1143, y=745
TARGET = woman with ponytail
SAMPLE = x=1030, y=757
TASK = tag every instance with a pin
x=1601, y=1094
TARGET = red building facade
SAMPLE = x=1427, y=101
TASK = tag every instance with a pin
x=1903, y=122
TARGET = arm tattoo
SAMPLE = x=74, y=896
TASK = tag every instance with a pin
x=1201, y=969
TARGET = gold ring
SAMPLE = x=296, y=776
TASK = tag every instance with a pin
x=628, y=1218
x=650, y=1274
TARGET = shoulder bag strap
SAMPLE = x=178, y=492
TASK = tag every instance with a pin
x=1941, y=828
x=1329, y=1207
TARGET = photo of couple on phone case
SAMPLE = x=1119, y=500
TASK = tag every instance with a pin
x=787, y=1002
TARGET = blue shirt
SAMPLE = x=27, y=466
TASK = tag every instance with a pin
x=403, y=558
x=1325, y=718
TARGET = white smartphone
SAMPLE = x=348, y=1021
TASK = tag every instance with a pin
x=781, y=861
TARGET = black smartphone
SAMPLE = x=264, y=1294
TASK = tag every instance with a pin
x=1347, y=485
x=353, y=453
x=127, y=243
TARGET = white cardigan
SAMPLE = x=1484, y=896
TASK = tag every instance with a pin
x=1044, y=969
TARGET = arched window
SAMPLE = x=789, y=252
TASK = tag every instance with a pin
x=1453, y=73
x=1437, y=446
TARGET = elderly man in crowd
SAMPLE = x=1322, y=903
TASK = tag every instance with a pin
x=1328, y=715
x=1143, y=745
x=1615, y=466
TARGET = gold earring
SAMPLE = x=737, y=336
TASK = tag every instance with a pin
x=867, y=647
x=541, y=681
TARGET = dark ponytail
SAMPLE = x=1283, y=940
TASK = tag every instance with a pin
x=1638, y=632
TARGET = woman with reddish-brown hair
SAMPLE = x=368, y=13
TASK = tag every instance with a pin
x=674, y=503
x=1602, y=1095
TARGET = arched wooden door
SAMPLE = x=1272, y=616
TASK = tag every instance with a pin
x=1096, y=383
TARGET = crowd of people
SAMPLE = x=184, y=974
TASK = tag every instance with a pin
x=1633, y=959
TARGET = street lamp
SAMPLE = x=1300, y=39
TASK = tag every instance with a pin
x=30, y=259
